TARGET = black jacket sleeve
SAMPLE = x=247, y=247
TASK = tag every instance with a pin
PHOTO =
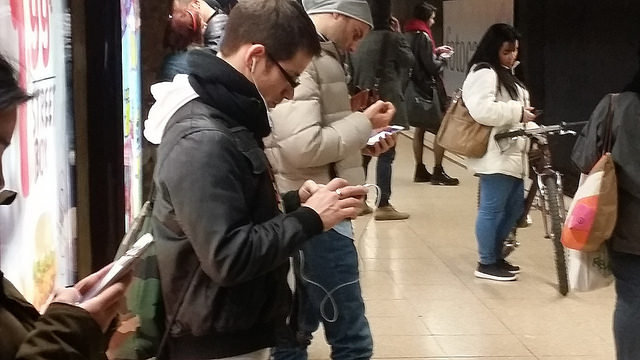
x=64, y=332
x=208, y=191
x=427, y=60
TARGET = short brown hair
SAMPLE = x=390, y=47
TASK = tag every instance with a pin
x=282, y=26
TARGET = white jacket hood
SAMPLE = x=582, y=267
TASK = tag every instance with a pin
x=169, y=96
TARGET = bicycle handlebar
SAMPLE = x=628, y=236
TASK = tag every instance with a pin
x=540, y=130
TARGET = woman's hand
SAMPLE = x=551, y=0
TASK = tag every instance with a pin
x=103, y=307
x=527, y=114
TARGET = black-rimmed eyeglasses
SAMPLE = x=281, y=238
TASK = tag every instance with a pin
x=293, y=81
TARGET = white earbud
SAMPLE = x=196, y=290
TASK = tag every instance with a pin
x=253, y=64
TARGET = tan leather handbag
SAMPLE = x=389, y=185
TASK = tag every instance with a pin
x=459, y=133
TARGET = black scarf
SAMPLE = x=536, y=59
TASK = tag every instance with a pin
x=222, y=87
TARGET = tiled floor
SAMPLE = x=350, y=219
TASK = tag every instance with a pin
x=422, y=299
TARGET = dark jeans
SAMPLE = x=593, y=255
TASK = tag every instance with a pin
x=383, y=173
x=501, y=205
x=329, y=291
x=626, y=318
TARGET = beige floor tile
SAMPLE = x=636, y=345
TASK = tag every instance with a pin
x=482, y=345
x=450, y=317
x=381, y=292
x=389, y=308
x=406, y=346
x=401, y=325
x=421, y=293
x=567, y=344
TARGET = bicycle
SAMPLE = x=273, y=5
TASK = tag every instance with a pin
x=546, y=193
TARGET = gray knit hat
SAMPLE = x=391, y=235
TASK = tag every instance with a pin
x=357, y=9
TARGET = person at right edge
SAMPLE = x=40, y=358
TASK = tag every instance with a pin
x=624, y=243
x=496, y=97
x=426, y=74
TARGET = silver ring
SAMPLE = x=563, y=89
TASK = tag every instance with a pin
x=339, y=192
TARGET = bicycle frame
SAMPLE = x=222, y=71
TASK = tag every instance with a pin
x=540, y=162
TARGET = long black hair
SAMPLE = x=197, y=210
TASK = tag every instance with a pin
x=486, y=55
x=11, y=94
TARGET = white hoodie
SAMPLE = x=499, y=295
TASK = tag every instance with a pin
x=170, y=96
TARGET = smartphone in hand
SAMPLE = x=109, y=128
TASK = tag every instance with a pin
x=122, y=266
x=391, y=129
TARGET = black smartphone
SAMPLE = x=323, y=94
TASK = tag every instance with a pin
x=537, y=112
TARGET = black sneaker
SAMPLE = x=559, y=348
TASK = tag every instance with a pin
x=514, y=269
x=494, y=272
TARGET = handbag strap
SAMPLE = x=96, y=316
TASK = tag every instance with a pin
x=608, y=130
x=384, y=53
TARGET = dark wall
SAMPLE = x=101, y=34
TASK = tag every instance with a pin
x=104, y=129
x=574, y=53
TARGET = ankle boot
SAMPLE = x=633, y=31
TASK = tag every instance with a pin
x=421, y=174
x=440, y=177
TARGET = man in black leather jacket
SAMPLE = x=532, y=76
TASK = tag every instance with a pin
x=223, y=245
x=216, y=24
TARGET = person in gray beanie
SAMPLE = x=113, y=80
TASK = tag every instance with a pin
x=316, y=135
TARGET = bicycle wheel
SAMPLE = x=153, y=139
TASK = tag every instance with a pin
x=554, y=212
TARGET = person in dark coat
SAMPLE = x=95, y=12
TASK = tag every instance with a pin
x=625, y=240
x=69, y=328
x=382, y=62
x=426, y=75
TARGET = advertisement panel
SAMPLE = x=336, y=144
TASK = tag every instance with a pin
x=131, y=107
x=37, y=230
x=464, y=23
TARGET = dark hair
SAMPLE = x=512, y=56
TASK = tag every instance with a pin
x=11, y=94
x=487, y=52
x=286, y=29
x=183, y=29
x=424, y=11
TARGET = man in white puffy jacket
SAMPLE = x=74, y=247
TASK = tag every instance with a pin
x=317, y=136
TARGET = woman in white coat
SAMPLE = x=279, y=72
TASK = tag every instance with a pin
x=497, y=98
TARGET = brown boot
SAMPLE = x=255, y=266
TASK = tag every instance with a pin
x=387, y=212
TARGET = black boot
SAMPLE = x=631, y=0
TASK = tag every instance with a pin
x=440, y=177
x=421, y=174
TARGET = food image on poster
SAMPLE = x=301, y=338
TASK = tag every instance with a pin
x=44, y=266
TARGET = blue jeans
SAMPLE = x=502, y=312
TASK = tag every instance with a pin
x=626, y=317
x=501, y=205
x=328, y=288
x=383, y=173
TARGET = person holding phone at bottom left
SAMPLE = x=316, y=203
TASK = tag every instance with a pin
x=68, y=329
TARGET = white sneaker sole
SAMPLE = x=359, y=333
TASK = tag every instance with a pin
x=482, y=275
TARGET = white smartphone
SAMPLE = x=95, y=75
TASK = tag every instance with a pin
x=122, y=266
x=386, y=131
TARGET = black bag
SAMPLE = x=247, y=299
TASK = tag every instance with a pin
x=423, y=112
